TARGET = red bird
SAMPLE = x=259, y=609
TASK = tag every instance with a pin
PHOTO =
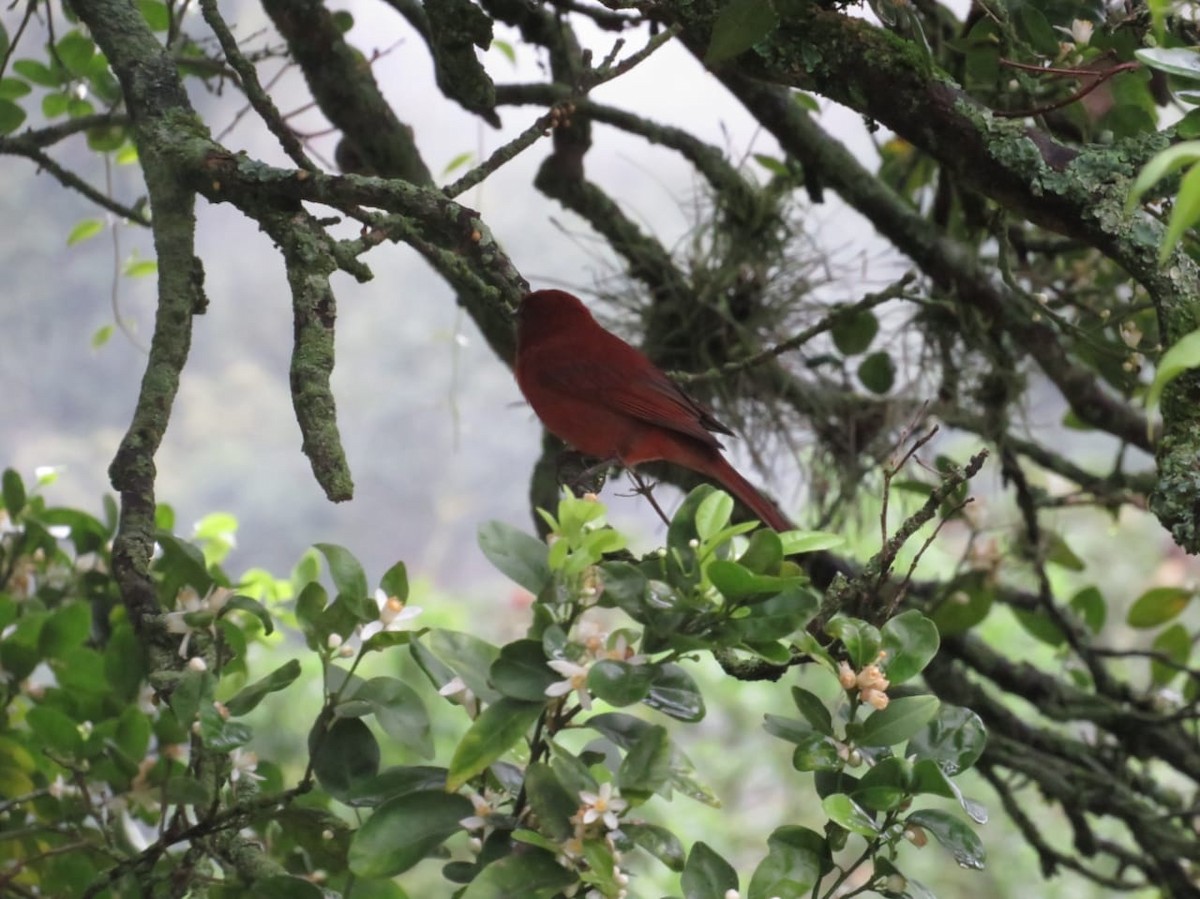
x=603, y=397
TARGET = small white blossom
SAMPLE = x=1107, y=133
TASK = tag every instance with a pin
x=602, y=806
x=393, y=615
x=483, y=809
x=244, y=766
x=574, y=678
x=188, y=603
x=197, y=663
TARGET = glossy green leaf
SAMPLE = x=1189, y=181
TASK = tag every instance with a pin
x=714, y=514
x=469, y=656
x=1090, y=605
x=658, y=841
x=910, y=641
x=75, y=51
x=521, y=672
x=809, y=541
x=706, y=875
x=740, y=25
x=14, y=88
x=1183, y=62
x=816, y=752
x=620, y=683
x=955, y=739
x=1185, y=213
x=250, y=696
x=552, y=802
x=902, y=719
x=493, y=733
x=966, y=602
x=38, y=72
x=400, y=712
x=813, y=709
x=344, y=568
x=846, y=813
x=65, y=630
x=673, y=692
x=862, y=640
x=953, y=833
x=1183, y=355
x=405, y=830
x=534, y=873
x=796, y=859
x=1165, y=163
x=343, y=755
x=522, y=558
x=646, y=767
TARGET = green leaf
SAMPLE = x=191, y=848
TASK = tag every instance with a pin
x=400, y=712
x=1165, y=163
x=140, y=268
x=1176, y=644
x=706, y=875
x=533, y=873
x=521, y=671
x=102, y=336
x=1183, y=62
x=75, y=51
x=107, y=139
x=646, y=768
x=345, y=569
x=854, y=330
x=809, y=541
x=796, y=859
x=404, y=830
x=624, y=587
x=54, y=105
x=714, y=513
x=816, y=752
x=250, y=696
x=1090, y=605
x=814, y=710
x=847, y=813
x=658, y=841
x=13, y=89
x=506, y=50
x=470, y=657
x=877, y=372
x=493, y=733
x=253, y=606
x=343, y=755
x=55, y=730
x=399, y=780
x=674, y=692
x=955, y=739
x=910, y=641
x=740, y=25
x=12, y=488
x=395, y=582
x=1183, y=356
x=625, y=730
x=156, y=14
x=902, y=719
x=553, y=804
x=1185, y=212
x=520, y=557
x=620, y=683
x=967, y=601
x=11, y=116
x=65, y=630
x=86, y=229
x=953, y=833
x=1157, y=606
x=38, y=72
x=862, y=640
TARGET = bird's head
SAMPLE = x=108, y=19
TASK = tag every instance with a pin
x=545, y=312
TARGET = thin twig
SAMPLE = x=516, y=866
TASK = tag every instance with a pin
x=1100, y=78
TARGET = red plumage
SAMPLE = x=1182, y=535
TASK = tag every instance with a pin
x=603, y=397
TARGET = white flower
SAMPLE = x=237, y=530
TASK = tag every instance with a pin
x=244, y=766
x=197, y=663
x=483, y=809
x=393, y=615
x=574, y=678
x=60, y=788
x=188, y=603
x=602, y=806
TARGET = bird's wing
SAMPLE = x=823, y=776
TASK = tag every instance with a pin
x=648, y=395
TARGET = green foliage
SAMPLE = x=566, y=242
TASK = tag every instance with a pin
x=547, y=812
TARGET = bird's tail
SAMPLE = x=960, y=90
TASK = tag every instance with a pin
x=717, y=468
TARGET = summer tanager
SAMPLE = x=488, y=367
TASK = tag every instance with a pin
x=603, y=397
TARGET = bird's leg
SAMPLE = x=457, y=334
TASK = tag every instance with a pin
x=647, y=490
x=587, y=480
